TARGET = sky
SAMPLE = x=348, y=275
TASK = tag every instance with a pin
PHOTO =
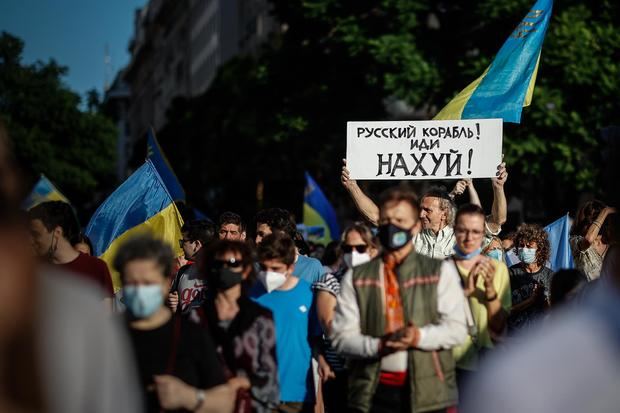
x=75, y=34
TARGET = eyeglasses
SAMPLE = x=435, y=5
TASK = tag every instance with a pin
x=347, y=249
x=231, y=263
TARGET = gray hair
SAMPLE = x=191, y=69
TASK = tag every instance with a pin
x=445, y=203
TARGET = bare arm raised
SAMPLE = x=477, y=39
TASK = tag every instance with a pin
x=364, y=204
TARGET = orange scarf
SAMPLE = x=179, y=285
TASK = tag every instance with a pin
x=393, y=305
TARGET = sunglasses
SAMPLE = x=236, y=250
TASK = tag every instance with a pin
x=231, y=263
x=347, y=249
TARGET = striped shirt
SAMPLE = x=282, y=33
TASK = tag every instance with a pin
x=330, y=283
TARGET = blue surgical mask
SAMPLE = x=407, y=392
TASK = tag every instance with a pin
x=461, y=255
x=143, y=301
x=527, y=255
x=496, y=254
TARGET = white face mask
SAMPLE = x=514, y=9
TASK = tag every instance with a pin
x=354, y=258
x=271, y=280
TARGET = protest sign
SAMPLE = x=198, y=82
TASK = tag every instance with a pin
x=451, y=149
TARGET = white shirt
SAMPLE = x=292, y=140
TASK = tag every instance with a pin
x=437, y=246
x=441, y=246
x=451, y=330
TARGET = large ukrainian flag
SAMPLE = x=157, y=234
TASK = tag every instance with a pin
x=43, y=191
x=318, y=212
x=507, y=84
x=157, y=156
x=141, y=204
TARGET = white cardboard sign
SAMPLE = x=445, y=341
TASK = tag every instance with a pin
x=432, y=149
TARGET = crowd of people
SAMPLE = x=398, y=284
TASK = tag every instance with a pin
x=400, y=314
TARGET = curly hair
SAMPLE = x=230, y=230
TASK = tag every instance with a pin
x=527, y=233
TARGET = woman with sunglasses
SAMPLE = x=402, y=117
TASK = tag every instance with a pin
x=358, y=247
x=244, y=331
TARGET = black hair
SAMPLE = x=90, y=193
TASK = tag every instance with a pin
x=231, y=218
x=199, y=230
x=278, y=246
x=83, y=238
x=277, y=219
x=332, y=253
x=220, y=247
x=586, y=215
x=144, y=247
x=57, y=214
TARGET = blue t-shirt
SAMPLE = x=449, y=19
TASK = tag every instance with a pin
x=308, y=269
x=295, y=320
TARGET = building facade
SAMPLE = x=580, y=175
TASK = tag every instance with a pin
x=178, y=46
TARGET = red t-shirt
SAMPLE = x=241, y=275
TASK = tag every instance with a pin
x=93, y=269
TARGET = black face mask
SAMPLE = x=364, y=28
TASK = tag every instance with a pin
x=393, y=237
x=225, y=278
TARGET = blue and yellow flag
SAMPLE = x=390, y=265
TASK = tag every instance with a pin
x=157, y=156
x=507, y=85
x=44, y=190
x=140, y=204
x=318, y=212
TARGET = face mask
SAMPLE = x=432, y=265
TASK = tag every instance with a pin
x=393, y=237
x=143, y=301
x=460, y=254
x=527, y=255
x=496, y=254
x=225, y=278
x=354, y=259
x=271, y=279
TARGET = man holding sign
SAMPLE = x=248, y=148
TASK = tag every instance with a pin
x=427, y=150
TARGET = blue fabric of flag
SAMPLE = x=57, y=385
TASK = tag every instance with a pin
x=44, y=190
x=318, y=211
x=502, y=91
x=558, y=233
x=157, y=156
x=140, y=197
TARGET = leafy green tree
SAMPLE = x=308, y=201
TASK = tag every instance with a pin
x=51, y=135
x=267, y=118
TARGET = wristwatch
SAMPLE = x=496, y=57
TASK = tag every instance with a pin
x=200, y=399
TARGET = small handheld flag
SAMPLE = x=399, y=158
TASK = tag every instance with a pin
x=44, y=190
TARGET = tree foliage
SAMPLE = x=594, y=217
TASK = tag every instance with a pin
x=51, y=135
x=269, y=117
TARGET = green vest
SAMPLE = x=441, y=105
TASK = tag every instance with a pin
x=431, y=373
